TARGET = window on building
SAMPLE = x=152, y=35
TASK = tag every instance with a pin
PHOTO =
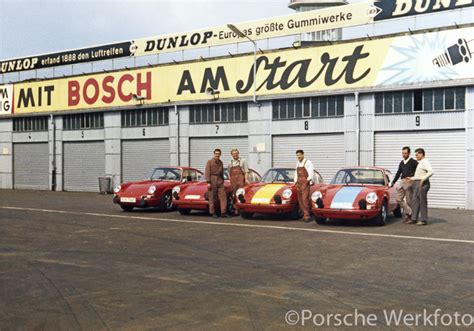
x=145, y=117
x=30, y=124
x=83, y=121
x=315, y=107
x=427, y=100
x=219, y=113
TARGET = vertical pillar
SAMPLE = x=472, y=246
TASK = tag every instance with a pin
x=6, y=154
x=113, y=147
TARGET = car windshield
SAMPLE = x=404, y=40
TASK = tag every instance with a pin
x=359, y=177
x=166, y=174
x=279, y=176
x=226, y=176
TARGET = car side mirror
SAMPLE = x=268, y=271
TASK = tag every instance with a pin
x=184, y=180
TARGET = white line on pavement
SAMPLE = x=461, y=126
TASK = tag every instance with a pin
x=244, y=225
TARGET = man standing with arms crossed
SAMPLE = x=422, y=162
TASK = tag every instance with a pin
x=303, y=180
x=406, y=169
x=421, y=186
x=238, y=172
x=215, y=184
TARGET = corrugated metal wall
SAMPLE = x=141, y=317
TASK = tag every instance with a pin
x=446, y=151
x=201, y=149
x=139, y=157
x=31, y=166
x=326, y=151
x=84, y=163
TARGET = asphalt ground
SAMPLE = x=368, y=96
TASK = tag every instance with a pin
x=76, y=261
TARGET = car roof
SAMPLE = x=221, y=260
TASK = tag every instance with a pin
x=366, y=167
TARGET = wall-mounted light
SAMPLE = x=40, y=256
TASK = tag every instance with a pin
x=212, y=93
x=139, y=99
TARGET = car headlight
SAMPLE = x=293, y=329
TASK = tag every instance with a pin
x=287, y=193
x=240, y=191
x=316, y=195
x=371, y=197
x=176, y=189
x=117, y=189
x=151, y=189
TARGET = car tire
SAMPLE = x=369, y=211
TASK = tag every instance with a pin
x=245, y=215
x=381, y=218
x=398, y=212
x=297, y=213
x=166, y=203
x=184, y=211
x=126, y=208
x=230, y=205
x=320, y=220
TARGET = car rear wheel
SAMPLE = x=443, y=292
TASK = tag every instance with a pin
x=245, y=215
x=166, y=203
x=320, y=220
x=184, y=211
x=398, y=212
x=381, y=218
x=126, y=208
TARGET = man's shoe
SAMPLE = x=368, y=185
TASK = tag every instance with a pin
x=215, y=216
x=307, y=220
x=223, y=215
x=408, y=221
x=421, y=223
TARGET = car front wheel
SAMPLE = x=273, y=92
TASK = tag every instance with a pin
x=381, y=218
x=126, y=208
x=320, y=220
x=184, y=211
x=166, y=203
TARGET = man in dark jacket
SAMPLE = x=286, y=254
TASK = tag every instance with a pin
x=215, y=184
x=406, y=169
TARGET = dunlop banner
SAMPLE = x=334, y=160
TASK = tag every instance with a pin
x=394, y=61
x=303, y=22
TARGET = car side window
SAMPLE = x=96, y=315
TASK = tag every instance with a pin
x=317, y=179
x=254, y=177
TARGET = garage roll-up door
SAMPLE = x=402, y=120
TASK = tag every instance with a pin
x=201, y=149
x=326, y=151
x=84, y=163
x=139, y=157
x=446, y=151
x=31, y=166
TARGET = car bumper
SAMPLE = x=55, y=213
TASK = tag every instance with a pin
x=191, y=204
x=349, y=214
x=272, y=208
x=141, y=202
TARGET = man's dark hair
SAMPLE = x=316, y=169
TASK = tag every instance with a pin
x=420, y=150
x=218, y=150
x=299, y=151
x=406, y=148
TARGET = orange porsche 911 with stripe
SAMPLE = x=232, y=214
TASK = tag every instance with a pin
x=274, y=194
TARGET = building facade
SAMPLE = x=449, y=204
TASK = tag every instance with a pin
x=66, y=145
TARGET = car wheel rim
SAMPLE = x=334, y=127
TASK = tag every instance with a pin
x=168, y=201
x=384, y=213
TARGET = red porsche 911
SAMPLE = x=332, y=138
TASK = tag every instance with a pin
x=195, y=196
x=356, y=193
x=274, y=194
x=155, y=191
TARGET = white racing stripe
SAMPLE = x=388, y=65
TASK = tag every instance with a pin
x=350, y=233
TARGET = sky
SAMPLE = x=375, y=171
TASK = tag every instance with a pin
x=31, y=27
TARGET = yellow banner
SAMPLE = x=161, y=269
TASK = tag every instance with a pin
x=384, y=62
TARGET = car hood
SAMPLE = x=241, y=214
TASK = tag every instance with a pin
x=263, y=193
x=346, y=196
x=141, y=187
